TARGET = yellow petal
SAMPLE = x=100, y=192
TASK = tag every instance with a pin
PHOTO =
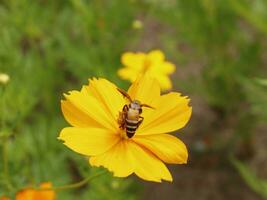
x=128, y=73
x=156, y=56
x=88, y=141
x=171, y=113
x=145, y=89
x=166, y=147
x=146, y=165
x=133, y=60
x=163, y=68
x=25, y=194
x=127, y=157
x=45, y=195
x=108, y=95
x=168, y=68
x=77, y=117
x=164, y=81
x=116, y=160
x=92, y=107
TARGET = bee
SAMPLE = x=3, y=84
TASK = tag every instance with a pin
x=129, y=117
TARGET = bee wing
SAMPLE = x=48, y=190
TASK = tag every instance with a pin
x=125, y=94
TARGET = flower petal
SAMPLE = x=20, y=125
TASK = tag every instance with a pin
x=145, y=89
x=91, y=107
x=116, y=160
x=25, y=194
x=88, y=141
x=163, y=68
x=133, y=60
x=166, y=147
x=77, y=117
x=164, y=81
x=168, y=68
x=128, y=73
x=45, y=195
x=156, y=56
x=127, y=157
x=146, y=165
x=171, y=113
x=107, y=93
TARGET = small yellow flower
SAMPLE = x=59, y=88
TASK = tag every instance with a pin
x=152, y=63
x=137, y=24
x=31, y=194
x=93, y=113
x=4, y=78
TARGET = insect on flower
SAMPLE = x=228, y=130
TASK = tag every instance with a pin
x=129, y=118
x=127, y=132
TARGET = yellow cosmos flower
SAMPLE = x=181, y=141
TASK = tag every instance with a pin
x=31, y=194
x=152, y=63
x=94, y=111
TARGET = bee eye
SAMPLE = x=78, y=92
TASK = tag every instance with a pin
x=140, y=110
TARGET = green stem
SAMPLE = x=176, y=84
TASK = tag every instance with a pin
x=4, y=138
x=5, y=163
x=74, y=185
x=5, y=160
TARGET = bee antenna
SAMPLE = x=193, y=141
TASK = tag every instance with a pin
x=125, y=94
x=148, y=106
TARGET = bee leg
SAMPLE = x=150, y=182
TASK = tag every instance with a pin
x=122, y=117
x=140, y=121
x=121, y=120
x=125, y=108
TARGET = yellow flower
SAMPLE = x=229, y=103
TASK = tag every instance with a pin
x=152, y=63
x=137, y=24
x=4, y=78
x=93, y=113
x=31, y=194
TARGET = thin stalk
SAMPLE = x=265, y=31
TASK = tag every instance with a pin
x=73, y=185
x=5, y=164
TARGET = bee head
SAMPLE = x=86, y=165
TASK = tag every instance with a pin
x=136, y=105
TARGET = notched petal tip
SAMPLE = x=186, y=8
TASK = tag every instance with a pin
x=59, y=138
x=62, y=134
x=92, y=79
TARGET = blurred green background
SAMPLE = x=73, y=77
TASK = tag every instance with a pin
x=219, y=47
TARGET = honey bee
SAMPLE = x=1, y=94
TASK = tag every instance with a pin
x=129, y=118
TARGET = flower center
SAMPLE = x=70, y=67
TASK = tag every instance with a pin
x=123, y=134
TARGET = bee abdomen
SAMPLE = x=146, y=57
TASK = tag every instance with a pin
x=131, y=127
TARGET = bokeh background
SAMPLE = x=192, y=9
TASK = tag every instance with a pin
x=48, y=47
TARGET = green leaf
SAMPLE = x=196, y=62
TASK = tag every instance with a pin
x=255, y=183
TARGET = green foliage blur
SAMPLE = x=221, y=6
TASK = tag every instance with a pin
x=50, y=47
x=254, y=182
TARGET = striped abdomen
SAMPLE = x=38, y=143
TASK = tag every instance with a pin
x=131, y=126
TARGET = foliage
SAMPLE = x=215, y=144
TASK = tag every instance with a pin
x=49, y=47
x=255, y=183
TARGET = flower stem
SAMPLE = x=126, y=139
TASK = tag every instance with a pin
x=5, y=160
x=74, y=185
x=5, y=163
